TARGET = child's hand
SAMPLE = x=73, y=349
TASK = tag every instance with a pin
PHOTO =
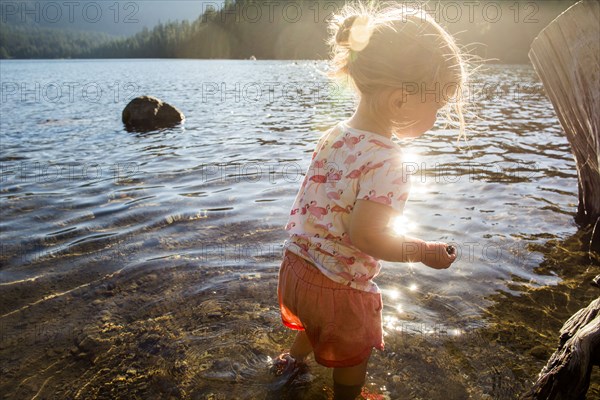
x=438, y=255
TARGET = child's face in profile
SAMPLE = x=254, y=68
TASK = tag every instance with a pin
x=419, y=114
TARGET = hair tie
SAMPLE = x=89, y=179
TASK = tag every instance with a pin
x=354, y=33
x=343, y=35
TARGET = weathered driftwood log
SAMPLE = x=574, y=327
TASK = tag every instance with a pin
x=595, y=239
x=566, y=56
x=146, y=113
x=566, y=376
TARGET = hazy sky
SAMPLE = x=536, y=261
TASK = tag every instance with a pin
x=110, y=16
x=154, y=10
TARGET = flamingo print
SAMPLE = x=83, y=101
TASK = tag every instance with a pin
x=368, y=196
x=304, y=181
x=354, y=174
x=338, y=209
x=352, y=158
x=346, y=238
x=398, y=181
x=337, y=145
x=337, y=171
x=331, y=237
x=320, y=250
x=335, y=195
x=346, y=260
x=324, y=227
x=379, y=199
x=304, y=209
x=334, y=175
x=403, y=196
x=318, y=178
x=340, y=143
x=290, y=225
x=351, y=141
x=369, y=167
x=317, y=211
x=320, y=163
x=360, y=277
x=381, y=144
x=383, y=199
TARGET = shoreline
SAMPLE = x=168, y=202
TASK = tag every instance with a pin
x=167, y=331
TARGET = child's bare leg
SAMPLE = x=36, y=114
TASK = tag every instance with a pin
x=301, y=347
x=348, y=381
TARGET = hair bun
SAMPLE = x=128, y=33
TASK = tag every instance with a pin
x=355, y=32
x=343, y=35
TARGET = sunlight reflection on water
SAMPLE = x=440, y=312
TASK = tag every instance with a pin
x=170, y=248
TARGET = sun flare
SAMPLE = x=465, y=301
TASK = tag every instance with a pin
x=402, y=225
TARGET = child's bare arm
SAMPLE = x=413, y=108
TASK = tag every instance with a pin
x=369, y=231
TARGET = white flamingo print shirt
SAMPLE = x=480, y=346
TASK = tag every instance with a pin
x=347, y=165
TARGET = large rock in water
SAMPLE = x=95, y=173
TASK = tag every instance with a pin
x=147, y=113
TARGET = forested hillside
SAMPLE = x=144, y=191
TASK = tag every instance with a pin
x=496, y=31
x=36, y=42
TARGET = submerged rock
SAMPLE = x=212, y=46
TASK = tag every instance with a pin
x=147, y=113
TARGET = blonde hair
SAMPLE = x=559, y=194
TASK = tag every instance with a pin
x=376, y=47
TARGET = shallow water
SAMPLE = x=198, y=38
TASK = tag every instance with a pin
x=164, y=246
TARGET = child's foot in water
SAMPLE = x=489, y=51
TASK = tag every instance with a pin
x=286, y=368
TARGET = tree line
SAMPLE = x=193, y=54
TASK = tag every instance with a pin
x=245, y=28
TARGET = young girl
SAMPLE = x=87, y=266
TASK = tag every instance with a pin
x=405, y=68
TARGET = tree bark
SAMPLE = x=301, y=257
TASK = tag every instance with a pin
x=566, y=56
x=566, y=376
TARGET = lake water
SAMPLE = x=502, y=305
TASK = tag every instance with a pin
x=165, y=246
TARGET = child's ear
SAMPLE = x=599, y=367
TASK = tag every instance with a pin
x=397, y=100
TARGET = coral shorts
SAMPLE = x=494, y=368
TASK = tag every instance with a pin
x=343, y=324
